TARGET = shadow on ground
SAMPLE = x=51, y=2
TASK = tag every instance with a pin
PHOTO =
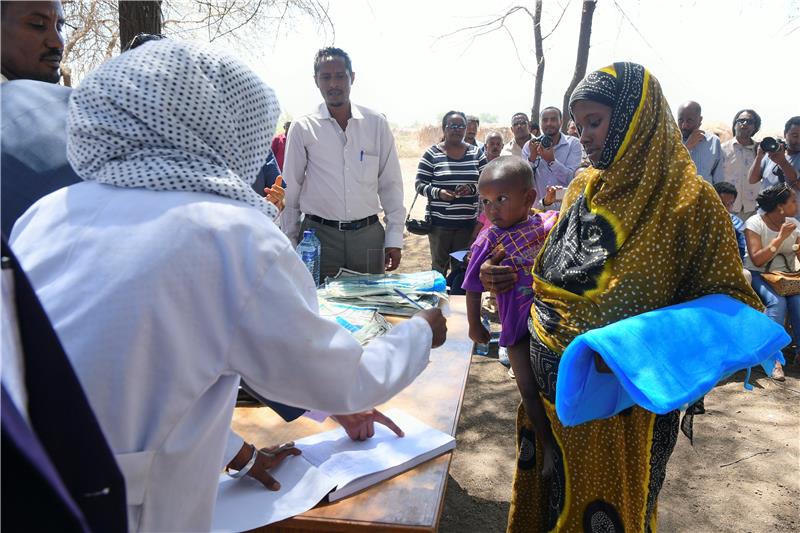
x=743, y=472
x=479, y=488
x=464, y=513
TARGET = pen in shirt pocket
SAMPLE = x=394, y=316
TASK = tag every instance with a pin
x=361, y=157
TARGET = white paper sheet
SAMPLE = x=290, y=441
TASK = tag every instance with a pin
x=244, y=504
x=344, y=460
x=459, y=255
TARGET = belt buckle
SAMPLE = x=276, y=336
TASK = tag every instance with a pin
x=341, y=224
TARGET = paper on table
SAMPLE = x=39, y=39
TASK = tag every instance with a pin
x=244, y=504
x=344, y=460
x=459, y=255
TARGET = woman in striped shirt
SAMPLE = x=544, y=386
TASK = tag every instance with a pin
x=447, y=175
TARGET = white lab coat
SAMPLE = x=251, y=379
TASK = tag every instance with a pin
x=162, y=301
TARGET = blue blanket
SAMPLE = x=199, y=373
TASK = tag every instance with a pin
x=664, y=359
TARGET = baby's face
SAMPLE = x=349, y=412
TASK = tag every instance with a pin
x=505, y=203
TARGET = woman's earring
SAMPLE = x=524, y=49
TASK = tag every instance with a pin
x=781, y=210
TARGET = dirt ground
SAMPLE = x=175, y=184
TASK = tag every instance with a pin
x=741, y=475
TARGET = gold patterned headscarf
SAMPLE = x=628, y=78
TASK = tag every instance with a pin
x=638, y=231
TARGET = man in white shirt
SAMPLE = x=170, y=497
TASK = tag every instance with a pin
x=738, y=155
x=520, y=127
x=341, y=168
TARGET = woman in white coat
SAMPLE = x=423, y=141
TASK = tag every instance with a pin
x=167, y=281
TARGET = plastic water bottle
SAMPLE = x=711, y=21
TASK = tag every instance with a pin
x=309, y=255
x=318, y=246
x=481, y=349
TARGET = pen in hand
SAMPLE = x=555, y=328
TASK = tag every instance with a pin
x=407, y=297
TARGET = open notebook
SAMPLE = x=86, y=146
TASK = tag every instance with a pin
x=332, y=464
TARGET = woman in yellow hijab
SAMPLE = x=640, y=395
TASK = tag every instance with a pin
x=638, y=231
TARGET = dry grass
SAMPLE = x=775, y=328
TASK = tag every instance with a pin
x=720, y=129
x=412, y=142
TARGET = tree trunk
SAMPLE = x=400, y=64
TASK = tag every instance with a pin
x=66, y=76
x=583, y=56
x=537, y=38
x=138, y=16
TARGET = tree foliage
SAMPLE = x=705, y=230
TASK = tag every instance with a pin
x=93, y=33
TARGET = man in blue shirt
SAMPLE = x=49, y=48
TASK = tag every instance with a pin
x=555, y=165
x=705, y=148
x=34, y=108
x=782, y=165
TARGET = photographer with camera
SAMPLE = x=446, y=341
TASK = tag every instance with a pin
x=738, y=153
x=782, y=164
x=553, y=156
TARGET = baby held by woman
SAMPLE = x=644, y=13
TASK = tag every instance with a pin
x=507, y=194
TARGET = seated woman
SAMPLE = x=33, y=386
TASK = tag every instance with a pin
x=167, y=281
x=773, y=245
x=447, y=175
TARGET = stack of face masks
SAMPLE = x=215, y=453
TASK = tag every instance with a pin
x=390, y=294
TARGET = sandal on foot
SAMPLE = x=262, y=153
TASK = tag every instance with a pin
x=777, y=373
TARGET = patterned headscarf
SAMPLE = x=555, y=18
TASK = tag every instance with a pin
x=640, y=230
x=171, y=116
x=622, y=93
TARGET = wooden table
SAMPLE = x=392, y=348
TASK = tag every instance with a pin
x=411, y=501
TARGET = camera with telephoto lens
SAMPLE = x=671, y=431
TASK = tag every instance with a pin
x=545, y=140
x=771, y=144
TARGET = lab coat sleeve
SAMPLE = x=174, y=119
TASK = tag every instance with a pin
x=232, y=447
x=286, y=352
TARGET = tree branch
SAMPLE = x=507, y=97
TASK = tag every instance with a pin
x=558, y=21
